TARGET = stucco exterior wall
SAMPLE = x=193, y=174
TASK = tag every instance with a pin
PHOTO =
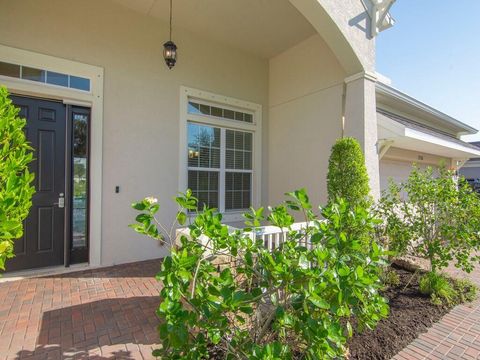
x=345, y=25
x=141, y=98
x=354, y=22
x=397, y=164
x=361, y=123
x=395, y=170
x=416, y=157
x=306, y=84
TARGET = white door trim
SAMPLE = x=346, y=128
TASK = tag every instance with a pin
x=92, y=99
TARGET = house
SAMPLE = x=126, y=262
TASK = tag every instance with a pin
x=411, y=132
x=471, y=169
x=259, y=94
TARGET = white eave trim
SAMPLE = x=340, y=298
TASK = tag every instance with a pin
x=391, y=92
x=403, y=131
x=418, y=135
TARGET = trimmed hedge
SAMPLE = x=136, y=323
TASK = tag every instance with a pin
x=347, y=176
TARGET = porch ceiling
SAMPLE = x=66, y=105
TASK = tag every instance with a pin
x=262, y=27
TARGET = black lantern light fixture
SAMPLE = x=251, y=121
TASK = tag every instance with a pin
x=169, y=48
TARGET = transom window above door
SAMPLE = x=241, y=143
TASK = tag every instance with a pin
x=221, y=155
x=44, y=76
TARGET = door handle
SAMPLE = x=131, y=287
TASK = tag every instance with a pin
x=61, y=201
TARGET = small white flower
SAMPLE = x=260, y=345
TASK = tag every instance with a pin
x=151, y=200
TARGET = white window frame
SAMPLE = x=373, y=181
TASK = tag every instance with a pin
x=255, y=128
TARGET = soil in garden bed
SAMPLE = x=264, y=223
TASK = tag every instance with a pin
x=410, y=314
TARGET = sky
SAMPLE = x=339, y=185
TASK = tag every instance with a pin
x=433, y=54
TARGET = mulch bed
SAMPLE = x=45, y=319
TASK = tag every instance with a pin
x=410, y=314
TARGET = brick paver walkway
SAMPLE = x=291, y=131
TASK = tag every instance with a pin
x=455, y=336
x=96, y=314
x=109, y=313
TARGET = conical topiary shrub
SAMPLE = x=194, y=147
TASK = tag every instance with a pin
x=347, y=176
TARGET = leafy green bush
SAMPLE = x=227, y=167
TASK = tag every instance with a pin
x=434, y=216
x=225, y=292
x=16, y=190
x=465, y=290
x=445, y=290
x=390, y=277
x=438, y=287
x=347, y=176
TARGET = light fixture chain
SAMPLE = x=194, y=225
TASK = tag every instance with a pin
x=171, y=20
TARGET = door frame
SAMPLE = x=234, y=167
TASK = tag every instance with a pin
x=92, y=99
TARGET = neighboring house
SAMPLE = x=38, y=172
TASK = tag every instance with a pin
x=411, y=132
x=260, y=93
x=471, y=169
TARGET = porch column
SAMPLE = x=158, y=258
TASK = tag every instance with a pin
x=360, y=122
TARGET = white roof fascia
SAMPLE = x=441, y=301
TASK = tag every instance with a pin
x=400, y=96
x=400, y=130
x=418, y=135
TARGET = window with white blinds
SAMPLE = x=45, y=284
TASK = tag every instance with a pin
x=220, y=151
x=220, y=166
x=220, y=160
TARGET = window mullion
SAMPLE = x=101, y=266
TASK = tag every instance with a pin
x=221, y=190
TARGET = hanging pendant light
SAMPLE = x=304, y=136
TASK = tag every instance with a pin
x=169, y=48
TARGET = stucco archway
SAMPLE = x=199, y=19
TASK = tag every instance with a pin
x=333, y=21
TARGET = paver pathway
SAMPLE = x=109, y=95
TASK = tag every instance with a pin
x=106, y=313
x=455, y=336
x=109, y=314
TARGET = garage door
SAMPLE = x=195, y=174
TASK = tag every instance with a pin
x=398, y=171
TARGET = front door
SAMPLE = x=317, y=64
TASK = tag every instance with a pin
x=43, y=241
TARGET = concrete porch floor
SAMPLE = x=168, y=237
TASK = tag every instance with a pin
x=106, y=313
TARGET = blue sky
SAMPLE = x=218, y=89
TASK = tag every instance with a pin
x=433, y=54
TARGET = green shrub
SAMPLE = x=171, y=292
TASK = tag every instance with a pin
x=466, y=291
x=438, y=287
x=446, y=290
x=390, y=277
x=16, y=190
x=223, y=290
x=347, y=176
x=434, y=216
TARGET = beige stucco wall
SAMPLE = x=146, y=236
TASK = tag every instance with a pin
x=345, y=25
x=361, y=123
x=354, y=23
x=395, y=170
x=306, y=84
x=397, y=164
x=141, y=97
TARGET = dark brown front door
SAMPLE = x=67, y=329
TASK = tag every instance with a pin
x=43, y=241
